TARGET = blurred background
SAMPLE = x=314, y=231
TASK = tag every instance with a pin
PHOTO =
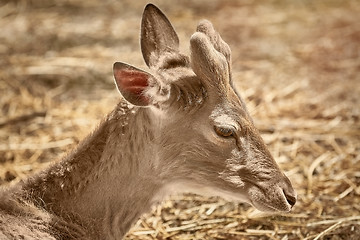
x=296, y=63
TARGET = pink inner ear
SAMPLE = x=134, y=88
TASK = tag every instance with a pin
x=128, y=80
x=132, y=83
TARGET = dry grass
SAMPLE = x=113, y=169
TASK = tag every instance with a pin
x=297, y=63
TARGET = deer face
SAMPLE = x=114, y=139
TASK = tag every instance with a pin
x=228, y=158
x=207, y=141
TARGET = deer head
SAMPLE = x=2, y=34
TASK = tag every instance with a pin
x=207, y=142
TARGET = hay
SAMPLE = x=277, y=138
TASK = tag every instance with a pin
x=297, y=64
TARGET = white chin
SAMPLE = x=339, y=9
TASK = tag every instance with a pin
x=260, y=202
x=183, y=187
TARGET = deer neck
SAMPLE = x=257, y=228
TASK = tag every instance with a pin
x=109, y=180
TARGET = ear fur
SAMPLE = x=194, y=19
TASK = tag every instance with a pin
x=138, y=87
x=157, y=35
x=132, y=83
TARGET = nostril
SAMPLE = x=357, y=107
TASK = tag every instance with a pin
x=291, y=199
x=288, y=191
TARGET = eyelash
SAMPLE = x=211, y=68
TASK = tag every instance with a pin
x=224, y=132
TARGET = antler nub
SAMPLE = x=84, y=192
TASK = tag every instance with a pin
x=207, y=62
x=207, y=28
x=210, y=55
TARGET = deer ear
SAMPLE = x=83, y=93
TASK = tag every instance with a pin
x=132, y=83
x=157, y=35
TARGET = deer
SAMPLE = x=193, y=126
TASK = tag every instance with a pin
x=179, y=127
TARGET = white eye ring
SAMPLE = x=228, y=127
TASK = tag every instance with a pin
x=224, y=131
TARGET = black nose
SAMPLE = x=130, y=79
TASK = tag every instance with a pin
x=289, y=191
x=290, y=197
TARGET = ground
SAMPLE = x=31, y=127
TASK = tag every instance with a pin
x=296, y=63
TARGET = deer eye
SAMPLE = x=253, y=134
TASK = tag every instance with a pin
x=224, y=131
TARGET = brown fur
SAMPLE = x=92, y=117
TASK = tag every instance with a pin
x=150, y=148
